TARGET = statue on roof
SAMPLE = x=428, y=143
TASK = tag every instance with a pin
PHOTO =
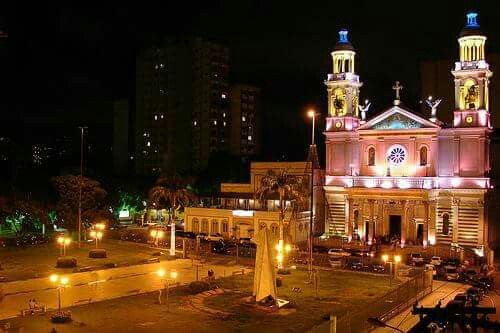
x=363, y=109
x=433, y=104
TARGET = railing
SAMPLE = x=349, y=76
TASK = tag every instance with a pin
x=389, y=182
x=383, y=308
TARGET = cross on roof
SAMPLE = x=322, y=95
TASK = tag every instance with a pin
x=397, y=87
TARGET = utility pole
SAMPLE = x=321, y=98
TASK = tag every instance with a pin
x=82, y=130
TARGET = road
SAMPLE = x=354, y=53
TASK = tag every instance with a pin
x=100, y=285
x=444, y=291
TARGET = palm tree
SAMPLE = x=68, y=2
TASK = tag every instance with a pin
x=175, y=193
x=288, y=187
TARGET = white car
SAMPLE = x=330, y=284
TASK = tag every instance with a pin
x=416, y=258
x=214, y=237
x=436, y=261
x=338, y=253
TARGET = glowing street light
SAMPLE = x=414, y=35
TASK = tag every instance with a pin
x=172, y=277
x=157, y=235
x=63, y=242
x=61, y=282
x=97, y=235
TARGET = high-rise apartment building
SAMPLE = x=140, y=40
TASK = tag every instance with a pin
x=245, y=122
x=182, y=112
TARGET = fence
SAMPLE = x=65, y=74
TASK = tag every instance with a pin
x=384, y=308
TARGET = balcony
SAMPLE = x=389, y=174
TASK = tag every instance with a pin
x=427, y=183
x=342, y=77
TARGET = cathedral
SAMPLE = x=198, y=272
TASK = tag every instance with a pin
x=401, y=176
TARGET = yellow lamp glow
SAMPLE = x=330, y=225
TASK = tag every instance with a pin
x=173, y=275
x=397, y=259
x=161, y=234
x=279, y=257
x=67, y=241
x=153, y=233
x=53, y=278
x=60, y=239
x=93, y=234
x=160, y=272
x=385, y=257
x=311, y=113
x=288, y=248
x=64, y=280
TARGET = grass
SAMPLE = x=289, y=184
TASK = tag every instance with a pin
x=339, y=292
x=27, y=262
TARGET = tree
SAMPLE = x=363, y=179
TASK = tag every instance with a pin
x=289, y=188
x=23, y=216
x=67, y=188
x=173, y=193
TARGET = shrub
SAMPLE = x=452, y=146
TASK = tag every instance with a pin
x=61, y=317
x=66, y=262
x=97, y=253
x=197, y=287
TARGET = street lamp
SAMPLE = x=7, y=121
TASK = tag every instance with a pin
x=97, y=235
x=385, y=258
x=63, y=242
x=172, y=277
x=311, y=114
x=157, y=235
x=61, y=282
x=82, y=130
x=397, y=260
x=283, y=251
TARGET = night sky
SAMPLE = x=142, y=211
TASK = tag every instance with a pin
x=65, y=65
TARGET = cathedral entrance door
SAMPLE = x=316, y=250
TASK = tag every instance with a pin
x=395, y=226
x=420, y=233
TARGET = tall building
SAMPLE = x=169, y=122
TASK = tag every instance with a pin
x=121, y=154
x=400, y=176
x=245, y=121
x=181, y=105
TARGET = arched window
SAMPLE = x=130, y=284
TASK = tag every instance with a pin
x=215, y=226
x=274, y=229
x=423, y=156
x=262, y=226
x=371, y=156
x=300, y=227
x=204, y=225
x=225, y=226
x=446, y=224
x=196, y=225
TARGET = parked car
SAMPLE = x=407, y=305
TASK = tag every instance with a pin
x=466, y=298
x=245, y=240
x=320, y=249
x=378, y=268
x=453, y=262
x=188, y=234
x=436, y=261
x=219, y=248
x=335, y=262
x=451, y=273
x=486, y=283
x=416, y=258
x=455, y=305
x=338, y=253
x=201, y=236
x=476, y=294
x=356, y=265
x=215, y=237
x=469, y=275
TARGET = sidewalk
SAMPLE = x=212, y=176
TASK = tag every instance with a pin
x=444, y=291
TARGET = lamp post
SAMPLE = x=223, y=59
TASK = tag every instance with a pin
x=61, y=282
x=82, y=129
x=97, y=235
x=311, y=114
x=157, y=235
x=385, y=258
x=282, y=253
x=397, y=260
x=63, y=242
x=172, y=277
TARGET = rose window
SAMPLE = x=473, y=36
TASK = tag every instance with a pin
x=397, y=155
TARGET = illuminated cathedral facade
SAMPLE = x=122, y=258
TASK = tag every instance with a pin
x=401, y=176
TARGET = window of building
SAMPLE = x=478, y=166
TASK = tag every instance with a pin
x=274, y=229
x=423, y=156
x=371, y=156
x=196, y=225
x=446, y=224
x=204, y=226
x=215, y=226
x=225, y=226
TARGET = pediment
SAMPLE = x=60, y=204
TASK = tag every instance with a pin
x=397, y=118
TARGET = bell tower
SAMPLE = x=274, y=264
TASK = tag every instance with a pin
x=343, y=87
x=472, y=77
